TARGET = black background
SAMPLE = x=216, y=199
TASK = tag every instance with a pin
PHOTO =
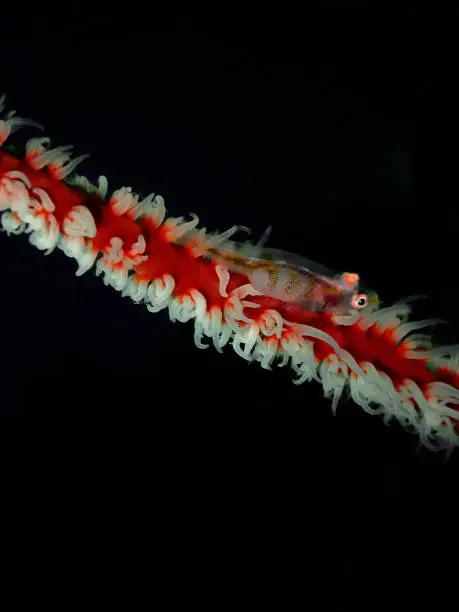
x=335, y=126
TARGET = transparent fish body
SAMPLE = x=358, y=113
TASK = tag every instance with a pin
x=294, y=279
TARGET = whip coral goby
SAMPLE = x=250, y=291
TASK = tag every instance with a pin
x=271, y=306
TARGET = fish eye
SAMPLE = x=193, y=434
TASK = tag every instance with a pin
x=359, y=301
